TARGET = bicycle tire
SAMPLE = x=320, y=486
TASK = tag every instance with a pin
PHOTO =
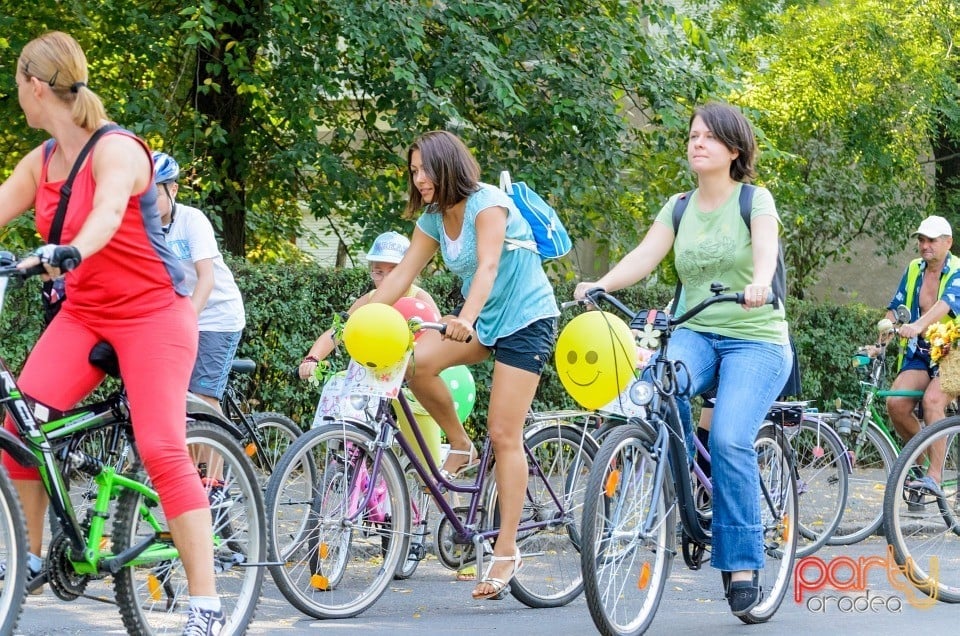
x=151, y=596
x=872, y=460
x=550, y=576
x=13, y=547
x=340, y=565
x=778, y=515
x=821, y=465
x=923, y=529
x=275, y=432
x=625, y=569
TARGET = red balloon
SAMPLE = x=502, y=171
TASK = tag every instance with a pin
x=411, y=307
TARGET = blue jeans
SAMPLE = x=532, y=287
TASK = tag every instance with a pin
x=748, y=376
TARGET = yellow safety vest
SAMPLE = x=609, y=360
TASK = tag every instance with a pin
x=913, y=273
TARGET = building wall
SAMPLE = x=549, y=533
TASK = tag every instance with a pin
x=867, y=279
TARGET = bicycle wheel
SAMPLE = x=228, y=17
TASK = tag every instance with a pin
x=551, y=576
x=872, y=458
x=629, y=532
x=778, y=516
x=420, y=503
x=152, y=595
x=923, y=527
x=358, y=524
x=275, y=432
x=821, y=466
x=13, y=555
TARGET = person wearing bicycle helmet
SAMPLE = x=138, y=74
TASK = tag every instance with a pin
x=213, y=291
x=387, y=250
x=126, y=289
x=744, y=355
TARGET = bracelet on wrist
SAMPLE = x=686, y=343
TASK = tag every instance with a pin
x=313, y=359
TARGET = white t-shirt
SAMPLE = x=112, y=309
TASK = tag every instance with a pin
x=191, y=239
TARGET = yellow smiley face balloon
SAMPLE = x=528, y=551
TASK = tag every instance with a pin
x=595, y=358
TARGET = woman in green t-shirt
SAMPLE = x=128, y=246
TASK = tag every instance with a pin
x=743, y=355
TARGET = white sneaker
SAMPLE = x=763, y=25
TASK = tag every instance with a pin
x=202, y=622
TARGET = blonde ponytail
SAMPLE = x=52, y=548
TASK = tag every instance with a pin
x=56, y=59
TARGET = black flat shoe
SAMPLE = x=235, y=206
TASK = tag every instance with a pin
x=742, y=596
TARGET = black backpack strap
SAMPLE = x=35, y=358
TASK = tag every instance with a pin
x=779, y=283
x=678, y=208
x=56, y=227
x=746, y=203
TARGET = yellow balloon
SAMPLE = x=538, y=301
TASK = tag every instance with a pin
x=376, y=336
x=596, y=356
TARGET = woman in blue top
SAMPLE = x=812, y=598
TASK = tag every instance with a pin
x=743, y=355
x=509, y=309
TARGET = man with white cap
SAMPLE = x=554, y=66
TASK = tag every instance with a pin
x=930, y=289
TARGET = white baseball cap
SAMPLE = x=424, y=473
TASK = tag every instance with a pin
x=389, y=247
x=934, y=227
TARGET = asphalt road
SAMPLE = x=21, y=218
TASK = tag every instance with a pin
x=433, y=602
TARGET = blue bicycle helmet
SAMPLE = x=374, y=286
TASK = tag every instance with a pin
x=165, y=168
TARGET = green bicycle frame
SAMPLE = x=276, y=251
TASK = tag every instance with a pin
x=41, y=441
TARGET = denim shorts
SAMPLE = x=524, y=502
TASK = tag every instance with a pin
x=214, y=355
x=529, y=348
x=920, y=361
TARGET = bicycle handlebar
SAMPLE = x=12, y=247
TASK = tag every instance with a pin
x=12, y=271
x=418, y=323
x=597, y=293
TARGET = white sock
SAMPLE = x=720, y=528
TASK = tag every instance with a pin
x=208, y=603
x=34, y=562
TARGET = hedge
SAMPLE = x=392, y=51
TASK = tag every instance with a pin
x=288, y=305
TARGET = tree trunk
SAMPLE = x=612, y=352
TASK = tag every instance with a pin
x=229, y=109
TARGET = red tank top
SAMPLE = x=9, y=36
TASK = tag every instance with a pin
x=128, y=277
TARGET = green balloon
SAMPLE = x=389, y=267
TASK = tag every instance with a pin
x=463, y=389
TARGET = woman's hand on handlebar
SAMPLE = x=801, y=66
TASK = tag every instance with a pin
x=54, y=260
x=755, y=296
x=580, y=292
x=457, y=329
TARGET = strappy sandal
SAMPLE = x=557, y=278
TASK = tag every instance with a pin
x=500, y=587
x=473, y=460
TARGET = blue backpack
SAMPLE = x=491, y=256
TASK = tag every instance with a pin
x=550, y=238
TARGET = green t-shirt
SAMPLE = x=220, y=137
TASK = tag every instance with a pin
x=716, y=247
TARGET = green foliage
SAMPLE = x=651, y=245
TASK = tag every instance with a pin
x=848, y=95
x=826, y=336
x=272, y=114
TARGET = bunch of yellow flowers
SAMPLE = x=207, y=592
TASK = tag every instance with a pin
x=942, y=337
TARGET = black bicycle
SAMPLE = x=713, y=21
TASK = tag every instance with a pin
x=641, y=481
x=265, y=435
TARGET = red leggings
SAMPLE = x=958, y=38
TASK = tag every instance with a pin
x=156, y=353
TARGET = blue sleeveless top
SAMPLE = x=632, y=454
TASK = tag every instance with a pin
x=521, y=292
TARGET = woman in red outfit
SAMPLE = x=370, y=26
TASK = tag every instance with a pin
x=124, y=291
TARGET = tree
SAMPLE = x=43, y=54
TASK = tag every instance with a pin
x=854, y=99
x=279, y=107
